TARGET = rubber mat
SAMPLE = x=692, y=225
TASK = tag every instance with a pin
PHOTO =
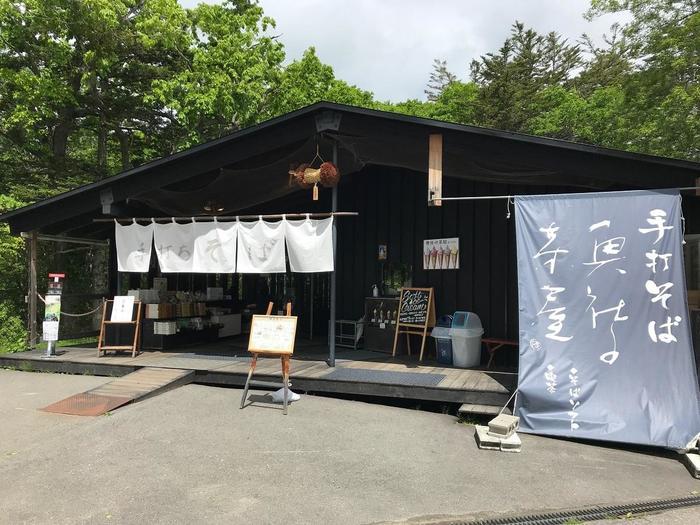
x=362, y=375
x=87, y=404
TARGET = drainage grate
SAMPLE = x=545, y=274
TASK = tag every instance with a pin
x=587, y=514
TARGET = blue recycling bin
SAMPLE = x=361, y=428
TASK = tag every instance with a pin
x=443, y=340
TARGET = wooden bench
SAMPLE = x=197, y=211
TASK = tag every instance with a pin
x=493, y=344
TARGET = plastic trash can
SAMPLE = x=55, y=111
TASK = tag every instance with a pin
x=443, y=344
x=443, y=340
x=466, y=332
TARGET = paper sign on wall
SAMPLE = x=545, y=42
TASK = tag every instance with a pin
x=441, y=254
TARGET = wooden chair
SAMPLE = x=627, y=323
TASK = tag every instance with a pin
x=284, y=358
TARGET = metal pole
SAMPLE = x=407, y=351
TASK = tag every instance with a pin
x=334, y=208
x=33, y=246
x=211, y=218
x=495, y=197
x=311, y=311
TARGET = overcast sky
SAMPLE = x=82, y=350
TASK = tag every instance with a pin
x=388, y=46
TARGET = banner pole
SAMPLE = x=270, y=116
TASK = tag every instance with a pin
x=334, y=208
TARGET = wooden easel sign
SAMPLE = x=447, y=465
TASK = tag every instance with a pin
x=416, y=315
x=272, y=334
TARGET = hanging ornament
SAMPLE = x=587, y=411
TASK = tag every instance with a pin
x=306, y=176
x=329, y=175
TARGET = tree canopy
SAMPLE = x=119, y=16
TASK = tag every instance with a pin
x=92, y=87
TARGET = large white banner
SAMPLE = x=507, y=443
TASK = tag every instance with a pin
x=261, y=247
x=174, y=246
x=605, y=341
x=310, y=245
x=215, y=247
x=134, y=243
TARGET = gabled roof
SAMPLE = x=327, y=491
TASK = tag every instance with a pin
x=370, y=137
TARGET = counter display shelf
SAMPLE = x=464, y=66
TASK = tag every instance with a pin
x=380, y=323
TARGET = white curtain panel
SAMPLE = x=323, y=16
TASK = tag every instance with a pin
x=174, y=246
x=215, y=247
x=134, y=243
x=261, y=247
x=310, y=245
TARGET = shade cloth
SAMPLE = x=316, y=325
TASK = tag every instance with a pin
x=174, y=246
x=134, y=243
x=310, y=245
x=605, y=339
x=261, y=247
x=215, y=247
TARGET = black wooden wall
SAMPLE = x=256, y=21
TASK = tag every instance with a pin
x=392, y=204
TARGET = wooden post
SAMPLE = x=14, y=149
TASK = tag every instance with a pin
x=435, y=169
x=32, y=299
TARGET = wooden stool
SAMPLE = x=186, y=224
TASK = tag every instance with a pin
x=285, y=360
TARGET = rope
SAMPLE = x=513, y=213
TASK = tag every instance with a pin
x=75, y=315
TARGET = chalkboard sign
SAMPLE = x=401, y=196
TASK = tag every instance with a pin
x=273, y=334
x=416, y=314
x=413, y=308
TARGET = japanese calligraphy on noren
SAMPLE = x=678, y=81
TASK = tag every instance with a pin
x=605, y=349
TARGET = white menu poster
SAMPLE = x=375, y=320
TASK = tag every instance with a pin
x=274, y=334
x=441, y=254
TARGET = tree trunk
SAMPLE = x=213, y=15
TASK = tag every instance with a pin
x=59, y=142
x=102, y=145
x=124, y=148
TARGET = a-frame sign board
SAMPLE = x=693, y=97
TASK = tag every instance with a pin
x=122, y=313
x=416, y=315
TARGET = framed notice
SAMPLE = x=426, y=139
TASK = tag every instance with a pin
x=50, y=330
x=274, y=334
x=122, y=309
x=441, y=254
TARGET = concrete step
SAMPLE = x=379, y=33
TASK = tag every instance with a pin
x=470, y=409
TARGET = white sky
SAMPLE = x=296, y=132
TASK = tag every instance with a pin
x=388, y=46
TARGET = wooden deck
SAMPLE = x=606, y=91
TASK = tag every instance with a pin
x=227, y=365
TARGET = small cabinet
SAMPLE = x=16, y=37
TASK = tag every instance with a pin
x=380, y=323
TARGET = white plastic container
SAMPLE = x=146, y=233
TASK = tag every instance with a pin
x=466, y=342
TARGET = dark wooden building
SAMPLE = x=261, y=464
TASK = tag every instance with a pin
x=383, y=158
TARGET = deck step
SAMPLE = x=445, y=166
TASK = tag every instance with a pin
x=138, y=385
x=469, y=409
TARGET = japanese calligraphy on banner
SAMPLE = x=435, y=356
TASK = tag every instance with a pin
x=605, y=344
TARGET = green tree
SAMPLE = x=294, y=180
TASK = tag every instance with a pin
x=510, y=79
x=663, y=91
x=440, y=79
x=232, y=64
x=308, y=80
x=12, y=284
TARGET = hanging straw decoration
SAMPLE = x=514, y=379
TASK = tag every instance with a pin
x=306, y=176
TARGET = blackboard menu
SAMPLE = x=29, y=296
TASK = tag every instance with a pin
x=414, y=306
